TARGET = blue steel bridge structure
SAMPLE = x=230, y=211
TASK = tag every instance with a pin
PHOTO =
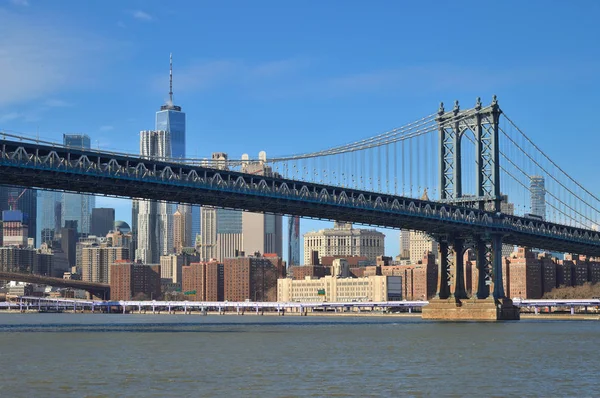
x=474, y=165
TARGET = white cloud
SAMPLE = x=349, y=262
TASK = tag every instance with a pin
x=23, y=3
x=106, y=128
x=42, y=56
x=141, y=15
x=121, y=24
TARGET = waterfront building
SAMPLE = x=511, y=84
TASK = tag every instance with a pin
x=300, y=272
x=130, y=280
x=251, y=278
x=333, y=289
x=171, y=265
x=204, y=281
x=524, y=279
x=343, y=240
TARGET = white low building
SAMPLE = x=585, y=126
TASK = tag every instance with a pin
x=338, y=289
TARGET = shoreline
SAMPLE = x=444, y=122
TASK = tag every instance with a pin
x=524, y=316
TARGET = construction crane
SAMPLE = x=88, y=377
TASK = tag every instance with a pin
x=12, y=201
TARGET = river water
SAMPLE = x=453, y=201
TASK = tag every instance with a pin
x=102, y=355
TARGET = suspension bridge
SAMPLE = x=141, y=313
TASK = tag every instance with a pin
x=475, y=166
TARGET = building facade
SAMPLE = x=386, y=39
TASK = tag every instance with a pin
x=75, y=206
x=343, y=240
x=49, y=221
x=129, y=280
x=537, y=191
x=375, y=288
x=172, y=264
x=204, y=281
x=154, y=219
x=15, y=230
x=182, y=228
x=251, y=278
x=96, y=262
x=293, y=241
x=103, y=221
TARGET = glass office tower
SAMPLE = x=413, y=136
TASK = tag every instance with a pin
x=77, y=207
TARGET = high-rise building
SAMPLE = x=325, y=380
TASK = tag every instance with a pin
x=135, y=207
x=204, y=281
x=250, y=278
x=76, y=206
x=103, y=221
x=130, y=279
x=154, y=219
x=404, y=243
x=23, y=199
x=25, y=260
x=182, y=228
x=196, y=216
x=96, y=262
x=221, y=229
x=171, y=119
x=262, y=233
x=420, y=245
x=538, y=196
x=293, y=241
x=171, y=265
x=344, y=240
x=49, y=211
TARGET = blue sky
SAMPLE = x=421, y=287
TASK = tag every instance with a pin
x=292, y=77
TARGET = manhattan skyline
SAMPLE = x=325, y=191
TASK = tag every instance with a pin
x=303, y=89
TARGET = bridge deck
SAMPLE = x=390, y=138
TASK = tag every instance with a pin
x=87, y=171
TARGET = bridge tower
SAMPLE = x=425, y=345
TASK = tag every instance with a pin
x=483, y=122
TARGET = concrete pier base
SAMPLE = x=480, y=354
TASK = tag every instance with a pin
x=472, y=309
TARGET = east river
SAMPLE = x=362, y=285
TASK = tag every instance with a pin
x=101, y=355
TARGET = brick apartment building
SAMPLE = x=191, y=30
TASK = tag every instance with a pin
x=205, y=279
x=252, y=278
x=128, y=279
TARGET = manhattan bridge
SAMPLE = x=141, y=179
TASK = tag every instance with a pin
x=462, y=176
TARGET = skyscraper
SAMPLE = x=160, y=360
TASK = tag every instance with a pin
x=262, y=233
x=103, y=220
x=76, y=206
x=404, y=243
x=171, y=119
x=293, y=241
x=221, y=230
x=155, y=219
x=49, y=211
x=538, y=196
x=182, y=229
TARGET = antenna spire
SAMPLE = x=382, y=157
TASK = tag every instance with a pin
x=171, y=78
